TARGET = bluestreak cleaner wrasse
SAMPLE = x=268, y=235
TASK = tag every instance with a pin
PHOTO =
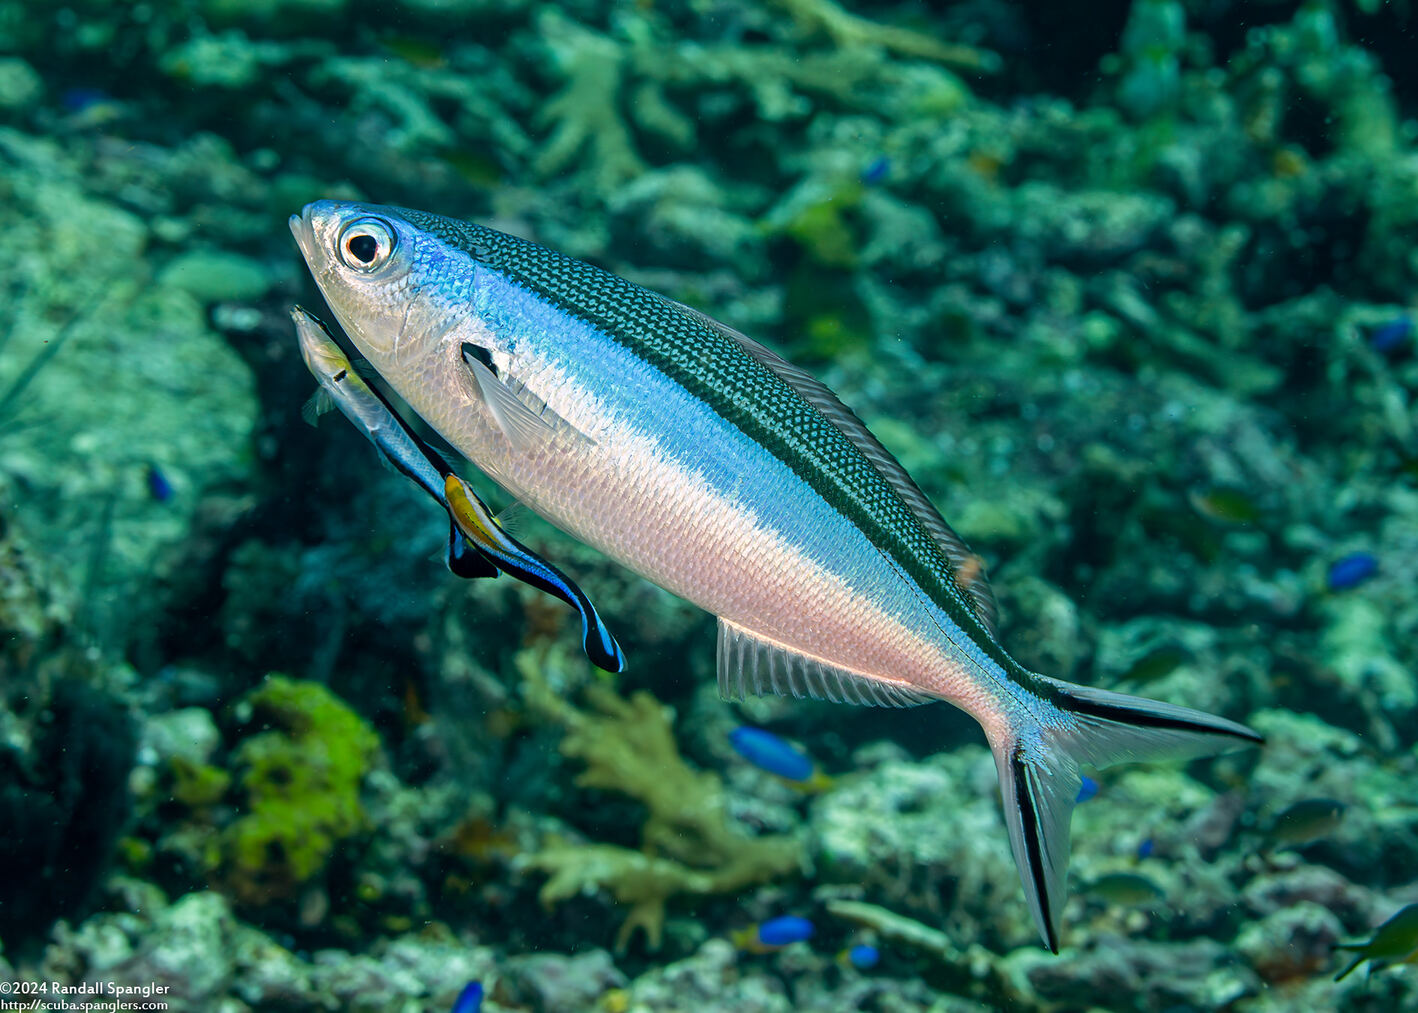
x=477, y=545
x=729, y=477
x=342, y=387
x=478, y=525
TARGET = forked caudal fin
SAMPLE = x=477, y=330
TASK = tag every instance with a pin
x=1039, y=774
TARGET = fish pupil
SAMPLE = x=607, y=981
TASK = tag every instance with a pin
x=340, y=375
x=363, y=247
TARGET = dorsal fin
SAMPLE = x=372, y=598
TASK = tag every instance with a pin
x=751, y=666
x=967, y=568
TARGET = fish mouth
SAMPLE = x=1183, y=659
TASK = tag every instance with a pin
x=303, y=230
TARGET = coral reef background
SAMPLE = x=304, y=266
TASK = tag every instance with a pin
x=1127, y=286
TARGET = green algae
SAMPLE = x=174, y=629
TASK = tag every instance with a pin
x=19, y=84
x=216, y=276
x=198, y=784
x=301, y=781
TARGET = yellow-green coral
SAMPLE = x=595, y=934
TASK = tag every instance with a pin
x=690, y=846
x=302, y=780
x=198, y=784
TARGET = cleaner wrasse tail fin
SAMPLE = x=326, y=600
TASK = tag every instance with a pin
x=1039, y=773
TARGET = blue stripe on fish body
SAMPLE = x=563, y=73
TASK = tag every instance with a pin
x=470, y=1000
x=729, y=458
x=784, y=930
x=1350, y=571
x=767, y=751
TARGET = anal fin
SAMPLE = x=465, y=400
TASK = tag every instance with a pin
x=752, y=666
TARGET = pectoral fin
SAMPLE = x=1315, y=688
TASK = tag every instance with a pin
x=318, y=404
x=463, y=559
x=527, y=430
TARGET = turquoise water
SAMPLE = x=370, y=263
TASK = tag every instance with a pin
x=1129, y=291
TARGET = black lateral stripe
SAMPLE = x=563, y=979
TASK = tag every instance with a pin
x=536, y=580
x=1146, y=719
x=404, y=470
x=1029, y=819
x=432, y=456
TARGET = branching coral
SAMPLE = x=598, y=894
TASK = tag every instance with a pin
x=606, y=74
x=849, y=31
x=585, y=112
x=690, y=844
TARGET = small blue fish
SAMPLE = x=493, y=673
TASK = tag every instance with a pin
x=876, y=171
x=1391, y=336
x=785, y=929
x=1088, y=789
x=76, y=100
x=159, y=488
x=470, y=1000
x=767, y=751
x=774, y=933
x=1350, y=571
x=863, y=956
x=1145, y=848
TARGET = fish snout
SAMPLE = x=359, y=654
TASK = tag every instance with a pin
x=303, y=230
x=315, y=225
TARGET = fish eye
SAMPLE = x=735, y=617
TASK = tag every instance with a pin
x=366, y=244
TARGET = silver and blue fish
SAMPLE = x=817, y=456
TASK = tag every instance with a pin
x=477, y=544
x=716, y=469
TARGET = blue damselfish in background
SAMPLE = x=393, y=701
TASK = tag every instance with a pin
x=767, y=751
x=470, y=1000
x=1350, y=571
x=774, y=933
